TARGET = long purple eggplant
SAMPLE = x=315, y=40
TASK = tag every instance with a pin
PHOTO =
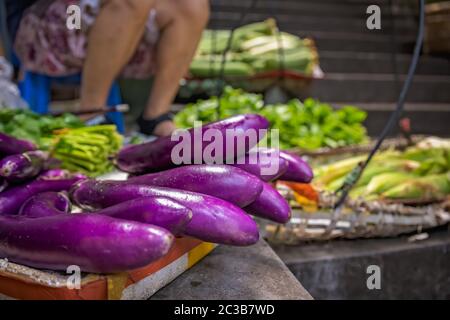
x=3, y=184
x=213, y=219
x=95, y=243
x=263, y=163
x=225, y=182
x=157, y=155
x=54, y=174
x=13, y=198
x=159, y=211
x=46, y=204
x=10, y=145
x=298, y=169
x=20, y=167
x=270, y=205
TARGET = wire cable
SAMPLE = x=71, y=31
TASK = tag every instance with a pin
x=221, y=78
x=356, y=173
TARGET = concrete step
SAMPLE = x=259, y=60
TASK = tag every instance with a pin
x=292, y=21
x=376, y=62
x=378, y=88
x=360, y=42
x=426, y=118
x=305, y=7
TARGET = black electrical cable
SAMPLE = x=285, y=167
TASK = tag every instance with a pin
x=221, y=78
x=394, y=46
x=356, y=173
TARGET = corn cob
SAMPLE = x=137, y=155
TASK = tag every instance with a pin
x=205, y=68
x=252, y=30
x=386, y=181
x=379, y=167
x=327, y=173
x=266, y=44
x=427, y=188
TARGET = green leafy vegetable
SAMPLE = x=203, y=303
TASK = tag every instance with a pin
x=309, y=125
x=25, y=124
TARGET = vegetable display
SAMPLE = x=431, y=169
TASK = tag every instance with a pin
x=124, y=225
x=25, y=124
x=66, y=138
x=418, y=174
x=309, y=125
x=255, y=48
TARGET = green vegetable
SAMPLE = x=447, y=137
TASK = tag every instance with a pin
x=88, y=149
x=208, y=68
x=418, y=173
x=386, y=181
x=426, y=188
x=253, y=47
x=25, y=124
x=308, y=125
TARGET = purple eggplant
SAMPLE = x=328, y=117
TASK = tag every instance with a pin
x=95, y=243
x=60, y=174
x=10, y=145
x=46, y=204
x=270, y=205
x=213, y=219
x=3, y=184
x=12, y=199
x=20, y=167
x=159, y=211
x=298, y=169
x=263, y=163
x=157, y=155
x=54, y=174
x=225, y=182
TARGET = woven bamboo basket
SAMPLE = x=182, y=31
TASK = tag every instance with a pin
x=359, y=218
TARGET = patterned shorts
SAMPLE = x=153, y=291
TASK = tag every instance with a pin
x=44, y=43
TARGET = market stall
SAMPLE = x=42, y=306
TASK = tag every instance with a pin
x=91, y=212
x=63, y=209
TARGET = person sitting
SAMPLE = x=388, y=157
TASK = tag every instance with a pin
x=129, y=38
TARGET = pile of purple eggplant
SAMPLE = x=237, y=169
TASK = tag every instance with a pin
x=128, y=224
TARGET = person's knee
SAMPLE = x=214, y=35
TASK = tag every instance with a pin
x=197, y=11
x=137, y=8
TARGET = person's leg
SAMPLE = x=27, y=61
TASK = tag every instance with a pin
x=181, y=23
x=111, y=43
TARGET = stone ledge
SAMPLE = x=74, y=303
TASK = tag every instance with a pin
x=235, y=273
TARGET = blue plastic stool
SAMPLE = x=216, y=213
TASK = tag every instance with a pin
x=35, y=89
